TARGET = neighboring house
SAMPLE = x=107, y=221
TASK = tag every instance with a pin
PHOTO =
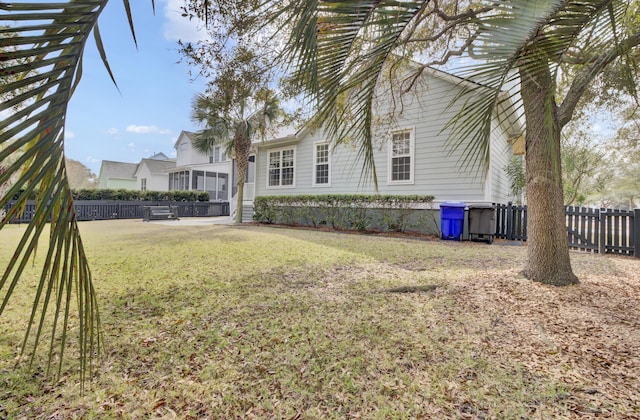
x=189, y=171
x=152, y=173
x=411, y=155
x=117, y=175
x=199, y=172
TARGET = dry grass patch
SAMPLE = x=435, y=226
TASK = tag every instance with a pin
x=254, y=322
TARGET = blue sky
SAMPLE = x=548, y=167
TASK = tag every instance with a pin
x=154, y=101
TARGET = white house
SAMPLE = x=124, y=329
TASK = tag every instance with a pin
x=152, y=174
x=411, y=155
x=195, y=171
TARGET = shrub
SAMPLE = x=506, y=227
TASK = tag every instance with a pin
x=134, y=195
x=341, y=211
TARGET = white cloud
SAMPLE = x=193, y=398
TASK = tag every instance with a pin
x=113, y=131
x=68, y=135
x=91, y=159
x=131, y=145
x=147, y=129
x=177, y=27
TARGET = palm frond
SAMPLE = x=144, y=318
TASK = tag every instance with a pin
x=501, y=38
x=339, y=49
x=42, y=52
x=217, y=126
x=533, y=37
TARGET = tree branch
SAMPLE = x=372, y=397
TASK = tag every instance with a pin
x=585, y=76
x=408, y=83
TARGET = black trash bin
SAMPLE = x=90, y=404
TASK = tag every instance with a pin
x=482, y=222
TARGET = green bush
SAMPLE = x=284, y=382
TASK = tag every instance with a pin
x=351, y=212
x=133, y=195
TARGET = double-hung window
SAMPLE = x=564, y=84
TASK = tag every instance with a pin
x=217, y=155
x=281, y=168
x=401, y=157
x=321, y=165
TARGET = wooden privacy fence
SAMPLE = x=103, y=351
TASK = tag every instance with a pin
x=103, y=210
x=605, y=231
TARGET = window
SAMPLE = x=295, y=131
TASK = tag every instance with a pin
x=251, y=170
x=281, y=168
x=401, y=157
x=321, y=165
x=179, y=181
x=143, y=184
x=197, y=180
x=217, y=155
x=215, y=183
x=222, y=193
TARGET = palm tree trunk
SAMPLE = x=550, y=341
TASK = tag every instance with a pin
x=242, y=149
x=548, y=247
x=240, y=206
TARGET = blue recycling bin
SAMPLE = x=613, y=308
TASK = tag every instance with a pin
x=452, y=220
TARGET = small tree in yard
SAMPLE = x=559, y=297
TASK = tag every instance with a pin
x=237, y=109
x=517, y=178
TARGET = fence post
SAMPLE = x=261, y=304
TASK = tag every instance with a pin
x=602, y=240
x=636, y=233
x=510, y=221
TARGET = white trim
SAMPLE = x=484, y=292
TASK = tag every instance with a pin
x=488, y=182
x=412, y=156
x=280, y=150
x=315, y=162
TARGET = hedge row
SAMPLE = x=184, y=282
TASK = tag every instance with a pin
x=350, y=212
x=133, y=195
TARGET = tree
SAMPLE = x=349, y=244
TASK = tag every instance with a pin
x=340, y=50
x=517, y=177
x=243, y=97
x=626, y=151
x=584, y=168
x=624, y=162
x=79, y=175
x=41, y=66
x=237, y=109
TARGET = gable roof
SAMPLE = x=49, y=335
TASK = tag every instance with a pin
x=121, y=170
x=189, y=134
x=159, y=156
x=157, y=166
x=284, y=136
x=514, y=129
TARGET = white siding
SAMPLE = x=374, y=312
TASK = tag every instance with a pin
x=501, y=154
x=186, y=155
x=155, y=182
x=436, y=171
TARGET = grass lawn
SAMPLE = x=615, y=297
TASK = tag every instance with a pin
x=221, y=321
